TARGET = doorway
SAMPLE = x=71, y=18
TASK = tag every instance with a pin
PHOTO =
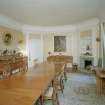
x=35, y=50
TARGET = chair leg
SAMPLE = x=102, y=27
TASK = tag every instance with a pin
x=61, y=84
x=65, y=75
x=42, y=100
x=37, y=102
x=55, y=99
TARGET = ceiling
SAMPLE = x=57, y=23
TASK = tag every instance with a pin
x=51, y=12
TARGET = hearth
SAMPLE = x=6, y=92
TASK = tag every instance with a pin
x=88, y=64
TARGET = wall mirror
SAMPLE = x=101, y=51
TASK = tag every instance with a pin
x=86, y=42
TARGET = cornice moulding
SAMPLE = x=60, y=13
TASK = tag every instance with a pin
x=49, y=29
x=88, y=24
x=10, y=23
x=67, y=28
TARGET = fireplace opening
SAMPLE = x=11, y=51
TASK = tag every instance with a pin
x=88, y=64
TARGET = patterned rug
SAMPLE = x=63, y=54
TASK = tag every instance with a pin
x=70, y=70
x=80, y=89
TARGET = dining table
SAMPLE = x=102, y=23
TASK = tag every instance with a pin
x=26, y=87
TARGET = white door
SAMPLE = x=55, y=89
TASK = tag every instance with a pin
x=35, y=51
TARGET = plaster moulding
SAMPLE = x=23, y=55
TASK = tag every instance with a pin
x=49, y=29
x=10, y=23
x=61, y=29
x=88, y=24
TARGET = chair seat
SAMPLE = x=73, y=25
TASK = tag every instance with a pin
x=59, y=77
x=49, y=93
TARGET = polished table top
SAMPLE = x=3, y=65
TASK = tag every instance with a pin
x=25, y=88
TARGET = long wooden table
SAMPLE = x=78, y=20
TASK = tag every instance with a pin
x=26, y=88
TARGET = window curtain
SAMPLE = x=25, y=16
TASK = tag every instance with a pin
x=102, y=54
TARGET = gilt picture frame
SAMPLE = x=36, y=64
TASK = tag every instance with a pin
x=59, y=43
x=7, y=38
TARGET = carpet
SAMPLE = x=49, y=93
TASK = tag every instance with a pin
x=80, y=89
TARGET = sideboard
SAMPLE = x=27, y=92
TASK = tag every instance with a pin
x=10, y=64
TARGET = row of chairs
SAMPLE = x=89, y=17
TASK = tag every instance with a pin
x=60, y=77
x=56, y=85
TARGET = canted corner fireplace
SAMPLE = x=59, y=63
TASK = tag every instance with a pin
x=86, y=62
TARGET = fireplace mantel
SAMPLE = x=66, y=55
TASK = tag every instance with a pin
x=84, y=58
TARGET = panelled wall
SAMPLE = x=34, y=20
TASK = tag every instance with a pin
x=71, y=44
x=72, y=34
x=47, y=34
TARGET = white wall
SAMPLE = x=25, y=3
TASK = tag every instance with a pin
x=48, y=44
x=71, y=43
x=16, y=37
x=71, y=32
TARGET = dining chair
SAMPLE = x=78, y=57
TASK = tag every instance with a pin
x=60, y=75
x=52, y=94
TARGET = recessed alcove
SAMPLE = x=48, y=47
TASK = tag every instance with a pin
x=87, y=49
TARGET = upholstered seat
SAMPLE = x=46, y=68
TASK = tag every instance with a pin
x=49, y=93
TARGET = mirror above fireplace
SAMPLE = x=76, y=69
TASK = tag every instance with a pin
x=86, y=42
x=86, y=55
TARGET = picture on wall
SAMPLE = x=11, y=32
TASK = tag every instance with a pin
x=7, y=38
x=59, y=43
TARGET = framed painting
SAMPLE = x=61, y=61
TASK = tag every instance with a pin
x=59, y=43
x=7, y=38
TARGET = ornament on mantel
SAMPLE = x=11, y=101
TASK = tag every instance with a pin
x=87, y=48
